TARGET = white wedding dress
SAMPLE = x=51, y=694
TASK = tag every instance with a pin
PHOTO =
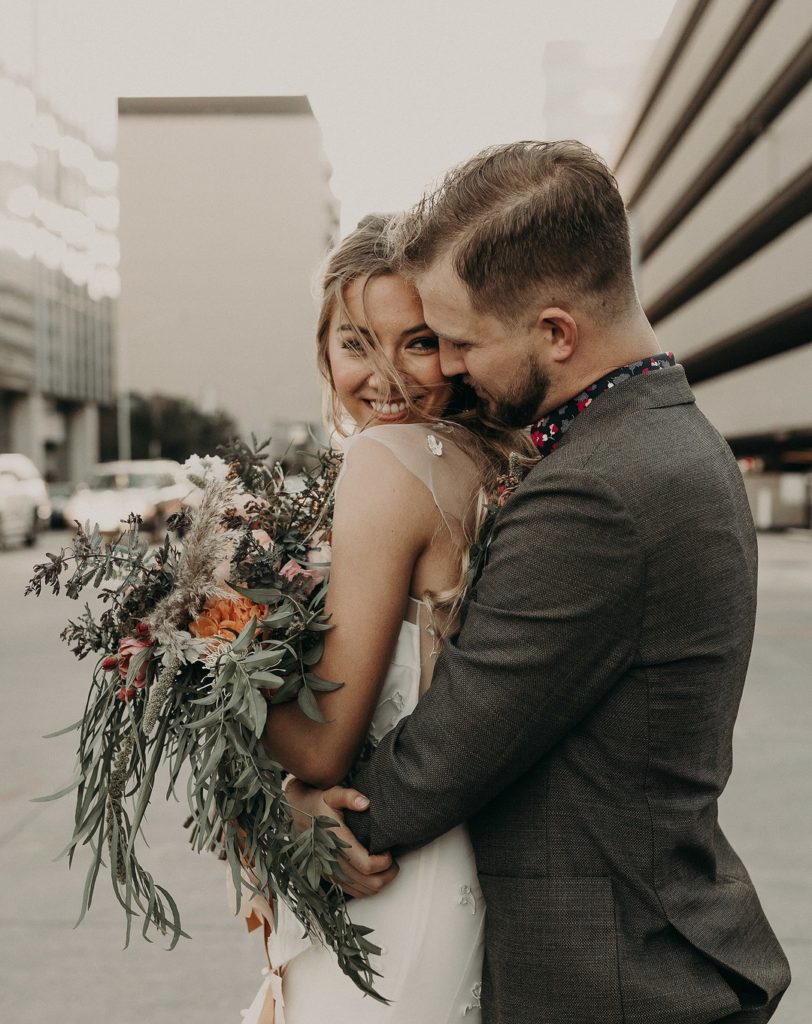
x=429, y=921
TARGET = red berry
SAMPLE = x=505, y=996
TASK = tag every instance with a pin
x=110, y=662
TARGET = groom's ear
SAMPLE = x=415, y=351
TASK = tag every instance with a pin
x=559, y=333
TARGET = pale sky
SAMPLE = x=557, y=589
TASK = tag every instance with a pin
x=401, y=88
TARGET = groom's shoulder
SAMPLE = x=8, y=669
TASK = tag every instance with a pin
x=645, y=440
x=646, y=423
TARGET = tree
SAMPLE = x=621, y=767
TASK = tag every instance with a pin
x=174, y=428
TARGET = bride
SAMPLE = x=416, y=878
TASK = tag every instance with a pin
x=416, y=462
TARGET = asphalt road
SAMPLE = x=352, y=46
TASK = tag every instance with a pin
x=51, y=972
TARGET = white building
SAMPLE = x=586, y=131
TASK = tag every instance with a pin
x=226, y=213
x=587, y=86
x=716, y=168
x=58, y=284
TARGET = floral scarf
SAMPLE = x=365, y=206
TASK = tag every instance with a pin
x=548, y=431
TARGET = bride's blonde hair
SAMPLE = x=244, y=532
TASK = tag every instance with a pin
x=363, y=255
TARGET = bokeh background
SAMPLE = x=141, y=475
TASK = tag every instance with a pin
x=172, y=174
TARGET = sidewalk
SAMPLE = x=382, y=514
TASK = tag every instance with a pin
x=53, y=973
x=766, y=811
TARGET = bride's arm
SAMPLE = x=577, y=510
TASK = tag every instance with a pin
x=384, y=518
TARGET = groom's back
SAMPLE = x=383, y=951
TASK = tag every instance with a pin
x=614, y=830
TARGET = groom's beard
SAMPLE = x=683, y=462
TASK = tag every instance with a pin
x=519, y=407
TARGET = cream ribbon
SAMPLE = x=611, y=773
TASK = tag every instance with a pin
x=258, y=914
x=272, y=1010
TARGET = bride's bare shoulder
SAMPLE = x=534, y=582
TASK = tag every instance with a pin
x=440, y=458
x=377, y=496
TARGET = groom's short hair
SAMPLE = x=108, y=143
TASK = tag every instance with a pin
x=524, y=221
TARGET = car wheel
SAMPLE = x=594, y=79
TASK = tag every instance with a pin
x=31, y=535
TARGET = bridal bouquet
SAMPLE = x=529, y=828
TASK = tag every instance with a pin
x=194, y=644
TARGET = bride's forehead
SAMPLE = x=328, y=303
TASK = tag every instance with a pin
x=384, y=299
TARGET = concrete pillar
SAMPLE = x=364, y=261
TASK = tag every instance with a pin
x=6, y=405
x=28, y=428
x=82, y=441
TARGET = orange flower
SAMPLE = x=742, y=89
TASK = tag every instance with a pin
x=224, y=617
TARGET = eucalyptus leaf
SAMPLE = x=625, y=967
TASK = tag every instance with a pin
x=212, y=761
x=282, y=617
x=55, y=796
x=259, y=595
x=267, y=679
x=263, y=658
x=310, y=706
x=311, y=656
x=287, y=691
x=260, y=712
x=322, y=685
x=246, y=635
x=61, y=732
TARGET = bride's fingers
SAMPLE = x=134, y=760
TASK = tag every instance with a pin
x=349, y=890
x=360, y=859
x=357, y=884
x=342, y=799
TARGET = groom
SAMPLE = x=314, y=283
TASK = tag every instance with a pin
x=581, y=721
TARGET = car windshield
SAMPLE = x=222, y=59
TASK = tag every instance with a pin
x=124, y=481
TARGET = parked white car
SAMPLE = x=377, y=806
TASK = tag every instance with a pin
x=154, y=489
x=24, y=505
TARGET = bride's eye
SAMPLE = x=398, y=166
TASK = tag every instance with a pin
x=429, y=343
x=353, y=345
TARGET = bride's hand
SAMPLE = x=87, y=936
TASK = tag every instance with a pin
x=366, y=873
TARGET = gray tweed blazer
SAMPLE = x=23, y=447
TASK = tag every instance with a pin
x=581, y=723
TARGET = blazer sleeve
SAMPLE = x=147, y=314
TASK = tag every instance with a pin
x=553, y=623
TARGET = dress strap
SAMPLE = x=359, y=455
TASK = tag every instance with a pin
x=412, y=613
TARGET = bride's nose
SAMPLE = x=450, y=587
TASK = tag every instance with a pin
x=379, y=381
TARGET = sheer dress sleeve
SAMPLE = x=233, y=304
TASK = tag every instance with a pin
x=442, y=457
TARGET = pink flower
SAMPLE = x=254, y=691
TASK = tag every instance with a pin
x=127, y=648
x=504, y=492
x=308, y=579
x=241, y=502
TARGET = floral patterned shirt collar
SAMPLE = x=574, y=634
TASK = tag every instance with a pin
x=548, y=432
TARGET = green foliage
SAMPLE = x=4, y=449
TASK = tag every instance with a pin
x=174, y=427
x=202, y=712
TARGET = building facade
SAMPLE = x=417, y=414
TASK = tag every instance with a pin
x=58, y=284
x=716, y=169
x=226, y=214
x=587, y=86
